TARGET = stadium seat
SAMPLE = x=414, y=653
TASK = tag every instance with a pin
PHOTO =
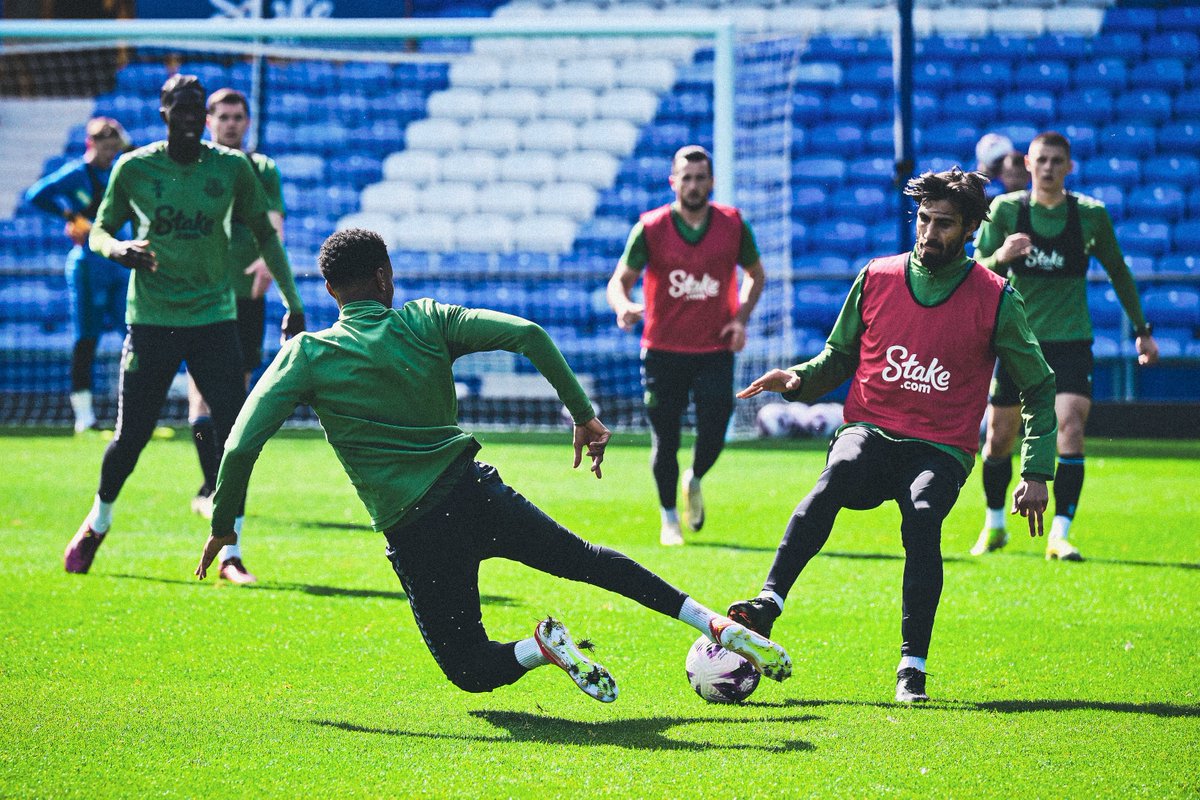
x=429, y=232
x=1142, y=20
x=544, y=234
x=1053, y=76
x=1140, y=266
x=1172, y=306
x=934, y=76
x=552, y=135
x=497, y=136
x=1063, y=46
x=981, y=106
x=844, y=141
x=871, y=76
x=808, y=203
x=1146, y=105
x=615, y=136
x=1035, y=107
x=843, y=236
x=983, y=74
x=1103, y=73
x=864, y=202
x=1144, y=238
x=470, y=166
x=1187, y=237
x=1113, y=197
x=416, y=166
x=447, y=198
x=532, y=73
x=529, y=166
x=575, y=199
x=1180, y=264
x=574, y=105
x=393, y=198
x=301, y=167
x=593, y=167
x=958, y=136
x=483, y=232
x=1083, y=139
x=858, y=107
x=1163, y=74
x=1103, y=306
x=1132, y=141
x=963, y=22
x=818, y=170
x=819, y=74
x=1124, y=172
x=653, y=74
x=437, y=135
x=636, y=105
x=1087, y=106
x=515, y=104
x=1180, y=137
x=510, y=198
x=457, y=103
x=1026, y=22
x=1187, y=104
x=383, y=224
x=597, y=74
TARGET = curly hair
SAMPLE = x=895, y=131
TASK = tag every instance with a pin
x=351, y=257
x=964, y=190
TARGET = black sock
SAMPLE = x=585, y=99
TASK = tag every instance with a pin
x=204, y=436
x=997, y=474
x=1068, y=484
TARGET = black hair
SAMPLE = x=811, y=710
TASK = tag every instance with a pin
x=180, y=83
x=351, y=257
x=692, y=154
x=964, y=190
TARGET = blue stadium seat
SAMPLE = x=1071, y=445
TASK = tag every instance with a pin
x=934, y=75
x=818, y=170
x=1166, y=74
x=1142, y=20
x=1035, y=107
x=1124, y=45
x=800, y=240
x=843, y=236
x=1083, y=139
x=1157, y=203
x=927, y=105
x=1180, y=136
x=808, y=106
x=1127, y=140
x=1103, y=305
x=1021, y=134
x=1146, y=105
x=1194, y=202
x=861, y=107
x=844, y=141
x=948, y=48
x=1005, y=46
x=957, y=135
x=824, y=261
x=881, y=139
x=664, y=137
x=1144, y=238
x=1168, y=306
x=940, y=162
x=1092, y=106
x=1187, y=236
x=808, y=203
x=871, y=76
x=984, y=73
x=871, y=171
x=864, y=202
x=981, y=105
x=1050, y=75
x=1140, y=265
x=1187, y=104
x=883, y=237
x=1180, y=264
x=816, y=304
x=1103, y=73
x=1124, y=172
x=1181, y=17
x=1113, y=197
x=1061, y=46
x=369, y=77
x=359, y=169
x=819, y=74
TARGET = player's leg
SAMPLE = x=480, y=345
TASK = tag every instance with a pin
x=151, y=356
x=204, y=437
x=1003, y=427
x=712, y=390
x=1072, y=411
x=666, y=382
x=214, y=359
x=931, y=481
x=85, y=322
x=856, y=476
x=516, y=529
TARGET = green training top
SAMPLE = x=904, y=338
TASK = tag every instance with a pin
x=1057, y=306
x=637, y=256
x=243, y=247
x=186, y=211
x=380, y=382
x=1014, y=343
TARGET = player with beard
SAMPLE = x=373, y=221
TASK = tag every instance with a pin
x=178, y=195
x=919, y=333
x=695, y=321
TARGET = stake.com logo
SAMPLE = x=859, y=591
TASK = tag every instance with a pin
x=916, y=377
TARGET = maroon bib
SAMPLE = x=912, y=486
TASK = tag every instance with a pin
x=691, y=289
x=923, y=372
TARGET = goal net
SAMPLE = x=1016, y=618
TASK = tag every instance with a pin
x=504, y=161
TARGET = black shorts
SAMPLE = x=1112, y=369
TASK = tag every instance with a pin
x=251, y=323
x=669, y=378
x=1072, y=364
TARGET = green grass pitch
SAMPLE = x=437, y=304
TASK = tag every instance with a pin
x=1049, y=679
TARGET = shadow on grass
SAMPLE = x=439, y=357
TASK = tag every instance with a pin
x=311, y=588
x=635, y=734
x=1122, y=562
x=1165, y=710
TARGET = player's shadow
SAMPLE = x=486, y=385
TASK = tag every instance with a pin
x=315, y=589
x=1121, y=562
x=635, y=734
x=879, y=556
x=1164, y=710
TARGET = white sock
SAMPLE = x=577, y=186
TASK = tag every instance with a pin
x=767, y=594
x=529, y=654
x=1060, y=527
x=697, y=616
x=99, y=518
x=670, y=515
x=691, y=479
x=995, y=518
x=911, y=661
x=81, y=403
x=232, y=550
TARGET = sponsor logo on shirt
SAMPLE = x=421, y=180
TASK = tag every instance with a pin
x=912, y=374
x=1046, y=262
x=214, y=188
x=170, y=221
x=691, y=288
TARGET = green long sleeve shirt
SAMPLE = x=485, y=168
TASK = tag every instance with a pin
x=380, y=382
x=186, y=212
x=1057, y=306
x=1013, y=341
x=243, y=246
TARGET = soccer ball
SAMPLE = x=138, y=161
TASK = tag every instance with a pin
x=718, y=675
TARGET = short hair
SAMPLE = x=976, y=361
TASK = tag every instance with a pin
x=227, y=95
x=692, y=153
x=1052, y=139
x=178, y=84
x=964, y=190
x=351, y=256
x=101, y=128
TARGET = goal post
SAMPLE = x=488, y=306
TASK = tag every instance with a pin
x=745, y=82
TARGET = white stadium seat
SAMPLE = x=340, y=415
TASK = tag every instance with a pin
x=448, y=198
x=488, y=233
x=616, y=136
x=963, y=22
x=495, y=135
x=456, y=103
x=518, y=104
x=382, y=224
x=424, y=232
x=556, y=47
x=575, y=200
x=544, y=234
x=470, y=166
x=502, y=48
x=415, y=166
x=636, y=105
x=1079, y=21
x=576, y=105
x=390, y=197
x=1019, y=21
x=477, y=71
x=655, y=74
x=438, y=135
x=555, y=135
x=592, y=167
x=596, y=74
x=510, y=198
x=613, y=46
x=536, y=166
x=532, y=73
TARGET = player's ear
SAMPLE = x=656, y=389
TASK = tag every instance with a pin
x=332, y=293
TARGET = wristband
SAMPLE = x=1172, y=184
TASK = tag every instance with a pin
x=1145, y=330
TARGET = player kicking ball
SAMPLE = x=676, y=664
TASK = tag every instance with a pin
x=380, y=382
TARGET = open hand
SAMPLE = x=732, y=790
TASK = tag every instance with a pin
x=134, y=255
x=777, y=380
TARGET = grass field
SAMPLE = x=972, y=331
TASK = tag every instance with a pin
x=1049, y=679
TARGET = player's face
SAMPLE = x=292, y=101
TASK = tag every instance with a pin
x=941, y=234
x=1049, y=165
x=1013, y=175
x=105, y=151
x=183, y=112
x=693, y=183
x=227, y=124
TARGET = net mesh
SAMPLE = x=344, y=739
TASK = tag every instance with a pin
x=505, y=173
